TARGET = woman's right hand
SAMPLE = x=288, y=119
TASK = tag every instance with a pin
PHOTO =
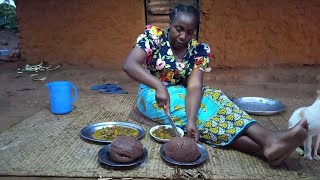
x=162, y=97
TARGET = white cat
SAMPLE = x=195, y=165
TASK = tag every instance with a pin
x=312, y=114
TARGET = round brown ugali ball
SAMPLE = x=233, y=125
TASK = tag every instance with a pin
x=182, y=149
x=125, y=149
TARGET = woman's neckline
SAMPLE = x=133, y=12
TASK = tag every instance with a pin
x=180, y=56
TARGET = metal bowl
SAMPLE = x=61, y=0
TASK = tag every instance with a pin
x=259, y=105
x=154, y=128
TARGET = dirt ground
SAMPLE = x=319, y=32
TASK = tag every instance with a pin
x=21, y=97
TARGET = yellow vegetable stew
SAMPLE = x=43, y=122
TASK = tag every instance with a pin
x=109, y=133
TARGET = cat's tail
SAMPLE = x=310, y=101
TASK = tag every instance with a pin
x=296, y=117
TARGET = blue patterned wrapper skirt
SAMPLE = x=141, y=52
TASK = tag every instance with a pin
x=219, y=120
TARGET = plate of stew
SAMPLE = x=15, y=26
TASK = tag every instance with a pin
x=163, y=133
x=105, y=132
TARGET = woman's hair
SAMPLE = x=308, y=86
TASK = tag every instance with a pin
x=185, y=9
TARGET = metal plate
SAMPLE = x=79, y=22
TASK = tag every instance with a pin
x=104, y=157
x=259, y=105
x=87, y=131
x=154, y=128
x=203, y=157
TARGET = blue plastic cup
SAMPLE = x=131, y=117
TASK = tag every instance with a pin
x=61, y=97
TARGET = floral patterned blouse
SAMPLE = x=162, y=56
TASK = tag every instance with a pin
x=160, y=59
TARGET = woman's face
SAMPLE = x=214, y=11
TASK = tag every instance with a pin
x=182, y=29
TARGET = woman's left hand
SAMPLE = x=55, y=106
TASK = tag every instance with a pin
x=192, y=131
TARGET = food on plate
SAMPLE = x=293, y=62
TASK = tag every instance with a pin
x=182, y=149
x=109, y=133
x=125, y=149
x=163, y=132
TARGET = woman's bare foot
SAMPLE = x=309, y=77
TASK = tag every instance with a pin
x=278, y=162
x=283, y=143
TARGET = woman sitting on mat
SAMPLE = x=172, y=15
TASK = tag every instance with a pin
x=170, y=66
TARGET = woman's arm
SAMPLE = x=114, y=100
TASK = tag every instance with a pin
x=193, y=101
x=133, y=67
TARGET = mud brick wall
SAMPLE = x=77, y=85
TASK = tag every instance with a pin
x=101, y=32
x=261, y=32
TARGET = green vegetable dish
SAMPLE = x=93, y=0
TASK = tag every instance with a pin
x=163, y=133
x=109, y=133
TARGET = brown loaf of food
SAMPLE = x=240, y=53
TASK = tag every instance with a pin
x=125, y=149
x=182, y=149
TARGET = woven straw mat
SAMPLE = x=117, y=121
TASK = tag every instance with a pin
x=50, y=145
